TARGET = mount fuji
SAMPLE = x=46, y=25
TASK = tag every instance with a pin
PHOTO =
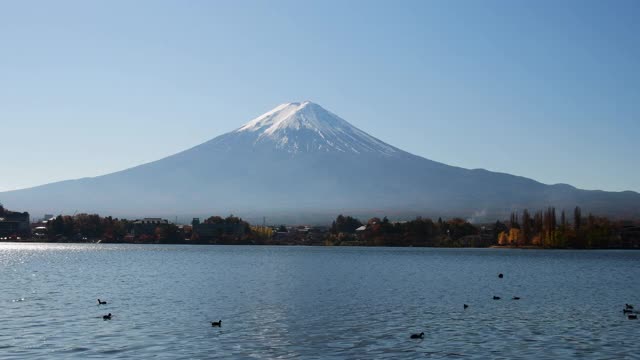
x=300, y=162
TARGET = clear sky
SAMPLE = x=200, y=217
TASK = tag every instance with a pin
x=544, y=89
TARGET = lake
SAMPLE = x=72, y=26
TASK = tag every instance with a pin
x=315, y=302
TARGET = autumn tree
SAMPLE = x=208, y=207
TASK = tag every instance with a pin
x=514, y=236
x=503, y=238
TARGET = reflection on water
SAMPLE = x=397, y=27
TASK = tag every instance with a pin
x=301, y=302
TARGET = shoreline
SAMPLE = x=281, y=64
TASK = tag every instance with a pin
x=499, y=247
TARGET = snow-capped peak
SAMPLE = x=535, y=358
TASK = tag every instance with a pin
x=306, y=127
x=291, y=115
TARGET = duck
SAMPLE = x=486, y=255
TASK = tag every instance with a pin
x=466, y=306
x=102, y=302
x=496, y=298
x=500, y=275
x=515, y=298
x=627, y=311
x=106, y=317
x=417, y=336
x=216, y=323
x=633, y=317
x=628, y=306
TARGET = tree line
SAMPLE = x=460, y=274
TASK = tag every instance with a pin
x=543, y=229
x=91, y=227
x=81, y=226
x=454, y=232
x=546, y=228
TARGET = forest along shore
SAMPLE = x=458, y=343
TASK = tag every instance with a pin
x=542, y=229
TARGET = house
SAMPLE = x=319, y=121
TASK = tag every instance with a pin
x=14, y=224
x=212, y=231
x=147, y=226
x=630, y=237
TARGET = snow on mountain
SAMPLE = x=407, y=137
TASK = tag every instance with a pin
x=307, y=127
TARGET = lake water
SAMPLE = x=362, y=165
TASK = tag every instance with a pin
x=315, y=302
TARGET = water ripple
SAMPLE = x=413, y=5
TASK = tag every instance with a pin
x=314, y=303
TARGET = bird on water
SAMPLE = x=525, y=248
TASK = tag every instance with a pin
x=102, y=302
x=106, y=317
x=496, y=298
x=500, y=275
x=516, y=298
x=417, y=336
x=628, y=306
x=216, y=323
x=633, y=317
x=466, y=306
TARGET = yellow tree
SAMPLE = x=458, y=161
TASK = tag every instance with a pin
x=503, y=238
x=515, y=236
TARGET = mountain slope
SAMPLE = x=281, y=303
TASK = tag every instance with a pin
x=301, y=160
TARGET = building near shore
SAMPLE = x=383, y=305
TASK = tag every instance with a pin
x=147, y=226
x=209, y=232
x=14, y=223
x=215, y=231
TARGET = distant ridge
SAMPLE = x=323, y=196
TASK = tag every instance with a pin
x=300, y=161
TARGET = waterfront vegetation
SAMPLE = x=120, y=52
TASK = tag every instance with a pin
x=540, y=229
x=543, y=229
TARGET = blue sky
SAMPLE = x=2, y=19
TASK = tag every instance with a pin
x=544, y=89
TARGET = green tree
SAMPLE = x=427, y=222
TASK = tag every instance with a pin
x=345, y=224
x=577, y=218
x=526, y=227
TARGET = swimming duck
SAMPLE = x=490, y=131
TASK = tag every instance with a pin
x=496, y=298
x=106, y=317
x=102, y=302
x=417, y=336
x=633, y=317
x=500, y=275
x=216, y=323
x=466, y=306
x=627, y=311
x=628, y=306
x=515, y=298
